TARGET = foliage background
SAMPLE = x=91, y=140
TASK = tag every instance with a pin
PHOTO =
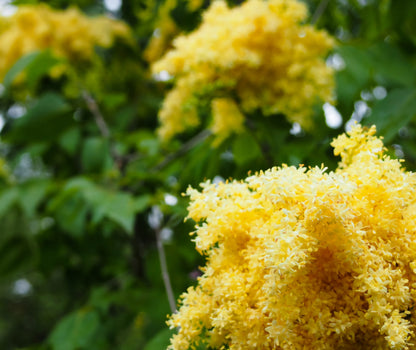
x=86, y=207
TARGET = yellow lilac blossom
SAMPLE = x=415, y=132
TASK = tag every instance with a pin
x=68, y=34
x=180, y=115
x=273, y=60
x=303, y=258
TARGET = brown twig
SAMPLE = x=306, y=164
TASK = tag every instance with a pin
x=185, y=148
x=95, y=111
x=165, y=272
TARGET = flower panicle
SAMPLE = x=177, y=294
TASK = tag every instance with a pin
x=259, y=55
x=69, y=34
x=300, y=257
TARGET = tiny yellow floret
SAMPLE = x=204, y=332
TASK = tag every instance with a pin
x=302, y=258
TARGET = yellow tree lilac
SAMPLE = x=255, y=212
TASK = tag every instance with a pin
x=68, y=34
x=261, y=54
x=303, y=258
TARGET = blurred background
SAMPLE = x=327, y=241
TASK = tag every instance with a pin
x=94, y=249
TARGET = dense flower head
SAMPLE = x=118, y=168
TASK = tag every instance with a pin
x=259, y=53
x=68, y=34
x=303, y=258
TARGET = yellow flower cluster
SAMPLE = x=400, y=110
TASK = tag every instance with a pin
x=306, y=259
x=259, y=53
x=69, y=34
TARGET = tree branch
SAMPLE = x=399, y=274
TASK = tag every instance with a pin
x=185, y=148
x=95, y=111
x=165, y=272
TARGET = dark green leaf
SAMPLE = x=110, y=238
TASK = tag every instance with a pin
x=7, y=198
x=71, y=213
x=94, y=154
x=16, y=245
x=119, y=207
x=392, y=66
x=142, y=202
x=114, y=100
x=160, y=341
x=18, y=68
x=40, y=66
x=15, y=255
x=45, y=120
x=75, y=331
x=31, y=194
x=355, y=76
x=245, y=149
x=393, y=112
x=70, y=140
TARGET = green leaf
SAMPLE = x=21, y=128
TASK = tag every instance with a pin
x=114, y=100
x=142, y=202
x=44, y=121
x=101, y=298
x=7, y=198
x=160, y=341
x=78, y=184
x=403, y=14
x=357, y=62
x=355, y=76
x=117, y=206
x=393, y=112
x=75, y=331
x=70, y=211
x=94, y=154
x=16, y=254
x=35, y=65
x=40, y=66
x=121, y=208
x=193, y=170
x=30, y=195
x=16, y=245
x=391, y=65
x=19, y=67
x=70, y=140
x=245, y=149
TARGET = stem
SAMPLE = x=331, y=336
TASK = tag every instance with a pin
x=95, y=111
x=319, y=11
x=165, y=272
x=185, y=148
